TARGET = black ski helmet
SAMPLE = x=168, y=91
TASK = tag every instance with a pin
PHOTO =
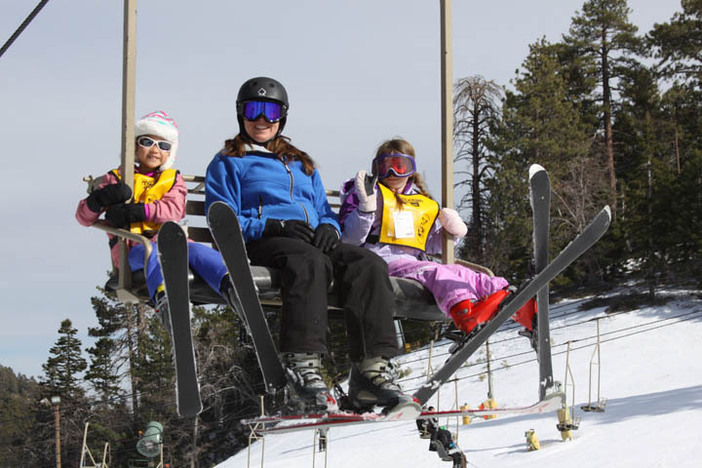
x=262, y=88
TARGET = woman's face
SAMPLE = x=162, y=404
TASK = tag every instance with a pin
x=394, y=183
x=260, y=130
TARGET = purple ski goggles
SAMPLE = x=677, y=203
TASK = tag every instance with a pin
x=252, y=110
x=401, y=165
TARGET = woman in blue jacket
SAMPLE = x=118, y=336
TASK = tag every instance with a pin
x=288, y=224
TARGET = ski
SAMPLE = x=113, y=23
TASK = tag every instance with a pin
x=226, y=231
x=173, y=258
x=291, y=423
x=540, y=194
x=590, y=235
x=551, y=402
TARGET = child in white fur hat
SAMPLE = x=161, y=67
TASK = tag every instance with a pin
x=159, y=196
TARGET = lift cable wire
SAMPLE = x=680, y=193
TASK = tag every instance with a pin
x=22, y=26
x=631, y=331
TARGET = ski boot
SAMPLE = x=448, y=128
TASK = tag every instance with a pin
x=372, y=382
x=469, y=315
x=526, y=316
x=304, y=374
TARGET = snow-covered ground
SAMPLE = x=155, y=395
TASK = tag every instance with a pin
x=651, y=376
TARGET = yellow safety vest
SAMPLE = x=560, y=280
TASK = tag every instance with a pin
x=409, y=223
x=148, y=189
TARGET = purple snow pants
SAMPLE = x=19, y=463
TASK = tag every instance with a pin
x=450, y=284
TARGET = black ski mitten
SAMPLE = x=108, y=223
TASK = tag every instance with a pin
x=124, y=214
x=108, y=195
x=326, y=237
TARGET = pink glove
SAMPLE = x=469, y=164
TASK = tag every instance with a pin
x=452, y=222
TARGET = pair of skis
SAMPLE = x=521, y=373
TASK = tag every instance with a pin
x=279, y=424
x=173, y=257
x=540, y=193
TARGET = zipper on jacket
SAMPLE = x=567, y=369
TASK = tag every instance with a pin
x=292, y=199
x=260, y=206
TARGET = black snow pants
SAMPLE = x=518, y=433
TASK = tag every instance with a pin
x=361, y=283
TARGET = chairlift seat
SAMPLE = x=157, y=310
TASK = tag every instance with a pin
x=412, y=300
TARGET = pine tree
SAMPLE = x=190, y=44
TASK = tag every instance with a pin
x=678, y=43
x=17, y=394
x=62, y=378
x=541, y=124
x=644, y=178
x=682, y=110
x=62, y=369
x=602, y=32
x=106, y=359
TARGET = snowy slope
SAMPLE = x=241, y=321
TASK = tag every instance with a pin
x=651, y=374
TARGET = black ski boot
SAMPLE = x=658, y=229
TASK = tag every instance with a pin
x=304, y=374
x=372, y=382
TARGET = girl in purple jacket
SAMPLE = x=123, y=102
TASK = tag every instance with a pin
x=159, y=196
x=391, y=213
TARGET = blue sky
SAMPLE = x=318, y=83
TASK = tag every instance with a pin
x=357, y=73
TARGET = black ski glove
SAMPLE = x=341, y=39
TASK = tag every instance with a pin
x=124, y=214
x=108, y=195
x=293, y=228
x=326, y=238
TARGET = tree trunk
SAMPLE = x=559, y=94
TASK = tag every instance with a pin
x=477, y=224
x=607, y=110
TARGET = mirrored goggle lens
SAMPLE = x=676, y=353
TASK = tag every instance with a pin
x=399, y=165
x=147, y=142
x=271, y=111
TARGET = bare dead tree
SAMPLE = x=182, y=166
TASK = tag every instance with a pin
x=476, y=108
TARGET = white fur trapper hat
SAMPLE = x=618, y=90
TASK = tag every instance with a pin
x=160, y=124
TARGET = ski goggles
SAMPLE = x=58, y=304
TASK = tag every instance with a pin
x=401, y=165
x=271, y=111
x=148, y=142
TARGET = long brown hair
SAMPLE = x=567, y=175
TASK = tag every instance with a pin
x=281, y=146
x=398, y=145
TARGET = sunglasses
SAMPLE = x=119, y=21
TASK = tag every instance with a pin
x=401, y=165
x=147, y=142
x=271, y=111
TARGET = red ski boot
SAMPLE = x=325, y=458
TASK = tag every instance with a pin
x=526, y=316
x=467, y=315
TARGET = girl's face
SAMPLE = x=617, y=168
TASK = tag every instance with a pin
x=261, y=130
x=394, y=183
x=150, y=158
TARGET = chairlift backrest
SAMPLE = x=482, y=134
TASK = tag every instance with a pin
x=413, y=301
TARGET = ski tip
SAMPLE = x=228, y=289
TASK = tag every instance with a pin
x=171, y=228
x=608, y=210
x=214, y=207
x=535, y=169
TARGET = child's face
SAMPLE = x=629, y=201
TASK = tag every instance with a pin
x=153, y=157
x=260, y=130
x=394, y=183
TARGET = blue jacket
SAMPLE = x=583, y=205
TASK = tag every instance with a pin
x=259, y=186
